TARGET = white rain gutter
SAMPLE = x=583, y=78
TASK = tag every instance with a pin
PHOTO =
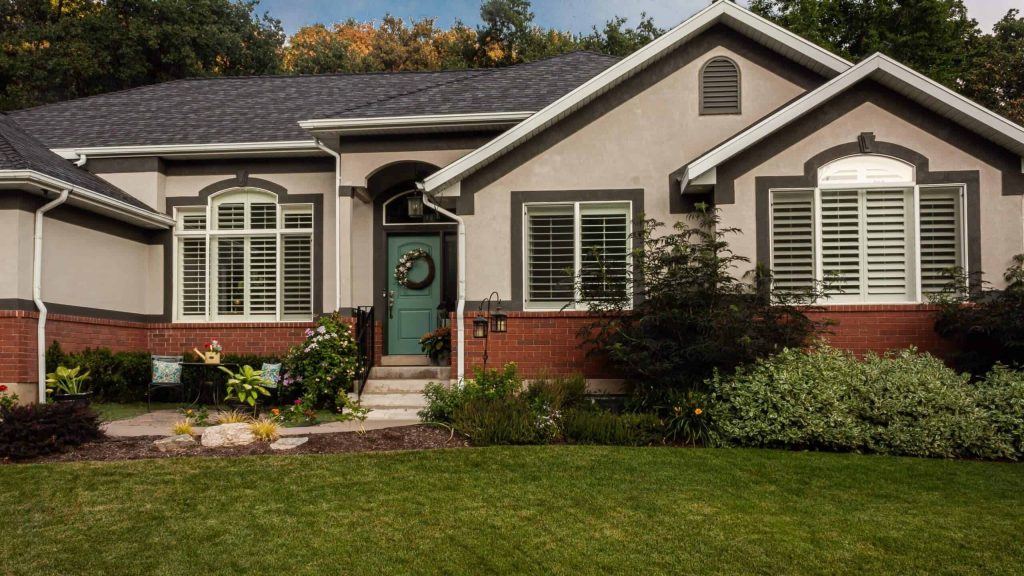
x=37, y=291
x=337, y=222
x=82, y=159
x=460, y=307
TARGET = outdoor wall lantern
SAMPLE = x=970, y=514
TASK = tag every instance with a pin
x=479, y=327
x=498, y=323
x=414, y=205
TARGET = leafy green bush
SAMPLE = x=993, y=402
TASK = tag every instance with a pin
x=902, y=403
x=39, y=429
x=326, y=363
x=113, y=376
x=554, y=394
x=509, y=420
x=601, y=427
x=1001, y=396
x=689, y=312
x=443, y=400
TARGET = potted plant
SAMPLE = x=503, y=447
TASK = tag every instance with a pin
x=212, y=354
x=437, y=345
x=67, y=385
x=245, y=386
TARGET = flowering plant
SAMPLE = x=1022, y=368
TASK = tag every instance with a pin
x=214, y=346
x=326, y=362
x=7, y=401
x=437, y=344
x=299, y=411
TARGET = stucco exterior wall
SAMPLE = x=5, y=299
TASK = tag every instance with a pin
x=631, y=138
x=15, y=254
x=1002, y=220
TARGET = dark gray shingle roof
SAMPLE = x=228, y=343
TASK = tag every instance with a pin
x=267, y=108
x=19, y=151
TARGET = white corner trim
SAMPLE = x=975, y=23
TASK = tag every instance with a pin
x=222, y=149
x=877, y=64
x=88, y=198
x=429, y=121
x=621, y=71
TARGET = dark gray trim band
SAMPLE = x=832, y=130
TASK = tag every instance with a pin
x=29, y=203
x=125, y=165
x=517, y=261
x=283, y=197
x=251, y=165
x=24, y=305
x=416, y=142
x=971, y=179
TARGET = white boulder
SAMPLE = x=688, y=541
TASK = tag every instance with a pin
x=228, y=435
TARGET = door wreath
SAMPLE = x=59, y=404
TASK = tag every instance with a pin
x=405, y=264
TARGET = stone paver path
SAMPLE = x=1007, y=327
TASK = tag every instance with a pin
x=159, y=423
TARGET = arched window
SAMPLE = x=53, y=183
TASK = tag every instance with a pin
x=720, y=87
x=244, y=257
x=869, y=231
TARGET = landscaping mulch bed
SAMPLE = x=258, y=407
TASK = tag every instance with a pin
x=417, y=437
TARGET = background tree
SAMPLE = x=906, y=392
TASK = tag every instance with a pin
x=996, y=79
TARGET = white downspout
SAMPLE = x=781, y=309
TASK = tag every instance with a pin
x=460, y=307
x=37, y=292
x=337, y=222
x=82, y=159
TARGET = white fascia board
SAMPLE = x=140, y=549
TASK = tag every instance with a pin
x=88, y=198
x=400, y=123
x=621, y=71
x=223, y=149
x=875, y=65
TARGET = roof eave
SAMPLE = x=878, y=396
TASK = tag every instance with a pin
x=88, y=199
x=414, y=124
x=184, y=151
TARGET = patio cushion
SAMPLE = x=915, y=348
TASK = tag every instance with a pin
x=166, y=372
x=271, y=373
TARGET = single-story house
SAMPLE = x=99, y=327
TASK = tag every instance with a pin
x=241, y=208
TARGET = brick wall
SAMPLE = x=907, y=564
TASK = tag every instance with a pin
x=265, y=339
x=876, y=328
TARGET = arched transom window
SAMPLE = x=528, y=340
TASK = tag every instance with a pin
x=244, y=257
x=869, y=231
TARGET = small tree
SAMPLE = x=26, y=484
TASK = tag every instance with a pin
x=682, y=311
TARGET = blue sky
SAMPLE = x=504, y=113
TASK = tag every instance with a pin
x=574, y=15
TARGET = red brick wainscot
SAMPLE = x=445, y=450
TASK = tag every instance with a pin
x=540, y=343
x=879, y=328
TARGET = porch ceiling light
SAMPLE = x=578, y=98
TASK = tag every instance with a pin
x=479, y=327
x=414, y=205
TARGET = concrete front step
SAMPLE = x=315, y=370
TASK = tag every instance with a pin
x=435, y=373
x=408, y=414
x=405, y=360
x=375, y=387
x=375, y=401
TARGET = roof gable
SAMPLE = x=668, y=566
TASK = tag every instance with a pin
x=726, y=13
x=886, y=72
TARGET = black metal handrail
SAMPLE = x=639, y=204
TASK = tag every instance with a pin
x=366, y=340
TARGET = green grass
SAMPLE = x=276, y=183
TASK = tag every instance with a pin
x=543, y=510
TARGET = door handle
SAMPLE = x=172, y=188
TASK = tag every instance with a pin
x=389, y=298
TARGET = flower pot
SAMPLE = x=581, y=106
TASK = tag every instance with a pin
x=211, y=357
x=441, y=359
x=83, y=399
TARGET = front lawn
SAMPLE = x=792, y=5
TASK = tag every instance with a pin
x=540, y=510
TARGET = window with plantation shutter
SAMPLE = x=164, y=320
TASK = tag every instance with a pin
x=940, y=236
x=793, y=240
x=868, y=245
x=255, y=262
x=720, y=87
x=563, y=242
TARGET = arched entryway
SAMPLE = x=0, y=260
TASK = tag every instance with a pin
x=418, y=298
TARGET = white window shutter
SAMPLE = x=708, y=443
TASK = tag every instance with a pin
x=263, y=216
x=604, y=240
x=262, y=275
x=193, y=276
x=296, y=280
x=886, y=238
x=550, y=249
x=231, y=216
x=231, y=276
x=793, y=240
x=841, y=242
x=940, y=236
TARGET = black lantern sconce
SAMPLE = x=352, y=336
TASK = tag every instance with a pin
x=414, y=205
x=498, y=323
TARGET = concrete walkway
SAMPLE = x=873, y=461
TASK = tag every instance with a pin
x=160, y=422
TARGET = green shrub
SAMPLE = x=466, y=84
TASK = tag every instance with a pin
x=509, y=420
x=601, y=427
x=443, y=400
x=325, y=363
x=113, y=376
x=902, y=403
x=39, y=429
x=557, y=393
x=1001, y=396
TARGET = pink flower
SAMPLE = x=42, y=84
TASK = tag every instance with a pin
x=298, y=401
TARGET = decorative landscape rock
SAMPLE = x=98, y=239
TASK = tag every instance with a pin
x=228, y=435
x=289, y=442
x=175, y=443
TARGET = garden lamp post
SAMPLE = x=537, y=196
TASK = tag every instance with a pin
x=498, y=323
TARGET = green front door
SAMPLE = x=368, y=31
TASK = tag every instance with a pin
x=414, y=309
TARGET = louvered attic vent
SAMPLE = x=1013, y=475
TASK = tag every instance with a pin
x=720, y=87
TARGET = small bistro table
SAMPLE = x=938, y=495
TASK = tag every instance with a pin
x=206, y=382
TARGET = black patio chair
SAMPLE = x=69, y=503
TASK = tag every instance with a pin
x=165, y=373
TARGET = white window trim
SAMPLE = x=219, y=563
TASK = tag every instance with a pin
x=917, y=290
x=211, y=234
x=577, y=208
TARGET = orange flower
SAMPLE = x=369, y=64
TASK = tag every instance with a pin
x=698, y=411
x=276, y=411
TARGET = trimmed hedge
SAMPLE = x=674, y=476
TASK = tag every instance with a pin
x=902, y=403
